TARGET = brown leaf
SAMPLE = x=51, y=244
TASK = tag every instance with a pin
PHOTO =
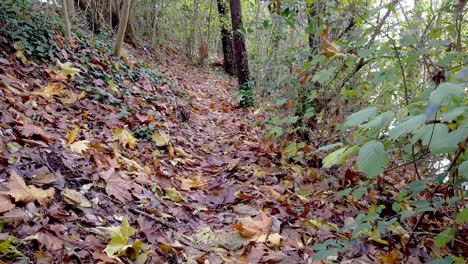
x=328, y=49
x=18, y=189
x=48, y=239
x=116, y=186
x=32, y=130
x=5, y=203
x=255, y=230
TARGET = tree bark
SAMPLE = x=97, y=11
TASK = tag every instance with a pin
x=242, y=62
x=122, y=27
x=71, y=8
x=66, y=20
x=226, y=41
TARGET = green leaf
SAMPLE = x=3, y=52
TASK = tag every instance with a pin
x=446, y=93
x=333, y=158
x=407, y=126
x=360, y=117
x=463, y=169
x=454, y=113
x=372, y=158
x=378, y=123
x=462, y=217
x=119, y=237
x=444, y=238
x=417, y=187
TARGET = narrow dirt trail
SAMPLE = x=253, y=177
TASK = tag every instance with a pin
x=228, y=176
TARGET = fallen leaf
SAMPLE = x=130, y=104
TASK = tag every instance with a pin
x=45, y=178
x=5, y=203
x=255, y=230
x=391, y=258
x=50, y=90
x=80, y=146
x=173, y=195
x=188, y=184
x=116, y=186
x=31, y=130
x=119, y=237
x=48, y=239
x=70, y=97
x=125, y=137
x=18, y=189
x=161, y=139
x=71, y=136
x=67, y=69
x=75, y=198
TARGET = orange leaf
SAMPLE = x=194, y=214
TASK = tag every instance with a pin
x=391, y=258
x=255, y=230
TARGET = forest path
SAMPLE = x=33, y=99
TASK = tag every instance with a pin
x=228, y=175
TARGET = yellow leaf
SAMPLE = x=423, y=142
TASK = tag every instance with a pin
x=71, y=97
x=125, y=137
x=119, y=238
x=18, y=189
x=50, y=90
x=375, y=236
x=161, y=139
x=187, y=184
x=67, y=69
x=71, y=136
x=113, y=87
x=391, y=258
x=75, y=198
x=173, y=195
x=275, y=239
x=79, y=146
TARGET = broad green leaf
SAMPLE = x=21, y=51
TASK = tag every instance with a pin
x=444, y=238
x=372, y=159
x=417, y=187
x=446, y=93
x=380, y=122
x=462, y=217
x=329, y=147
x=407, y=126
x=463, y=169
x=333, y=158
x=453, y=114
x=360, y=117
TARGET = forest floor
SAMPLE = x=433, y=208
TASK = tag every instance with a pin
x=102, y=161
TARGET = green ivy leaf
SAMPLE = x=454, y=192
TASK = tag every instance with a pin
x=333, y=158
x=462, y=217
x=372, y=158
x=444, y=238
x=360, y=117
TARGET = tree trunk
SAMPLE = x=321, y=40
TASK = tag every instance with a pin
x=226, y=41
x=71, y=8
x=122, y=27
x=66, y=21
x=242, y=62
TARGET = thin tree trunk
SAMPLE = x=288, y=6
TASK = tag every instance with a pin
x=122, y=27
x=226, y=41
x=71, y=8
x=242, y=62
x=66, y=20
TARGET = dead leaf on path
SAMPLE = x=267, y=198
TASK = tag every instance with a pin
x=18, y=189
x=180, y=152
x=173, y=195
x=71, y=136
x=116, y=186
x=255, y=230
x=5, y=203
x=75, y=198
x=80, y=146
x=67, y=69
x=161, y=139
x=71, y=97
x=45, y=178
x=188, y=184
x=125, y=137
x=48, y=239
x=50, y=90
x=32, y=130
x=391, y=258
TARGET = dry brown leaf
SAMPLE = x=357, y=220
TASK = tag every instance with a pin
x=31, y=130
x=255, y=230
x=5, y=203
x=45, y=178
x=50, y=90
x=80, y=146
x=116, y=186
x=18, y=189
x=75, y=198
x=328, y=49
x=161, y=139
x=125, y=137
x=48, y=239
